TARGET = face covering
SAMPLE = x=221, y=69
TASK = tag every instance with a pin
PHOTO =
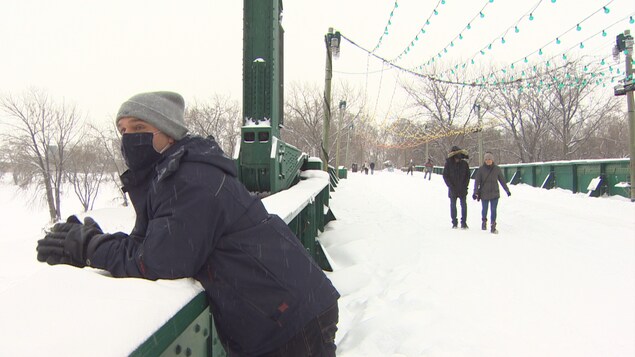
x=138, y=152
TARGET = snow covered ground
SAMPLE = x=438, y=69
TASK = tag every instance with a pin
x=559, y=279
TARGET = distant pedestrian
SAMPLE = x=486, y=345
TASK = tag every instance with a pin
x=488, y=176
x=411, y=167
x=372, y=167
x=365, y=168
x=456, y=174
x=429, y=165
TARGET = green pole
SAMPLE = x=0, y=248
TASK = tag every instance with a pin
x=630, y=104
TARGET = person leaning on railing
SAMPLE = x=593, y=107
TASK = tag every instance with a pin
x=194, y=218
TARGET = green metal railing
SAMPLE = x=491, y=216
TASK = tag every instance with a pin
x=608, y=175
x=575, y=176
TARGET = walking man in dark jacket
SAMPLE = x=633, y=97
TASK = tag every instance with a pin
x=195, y=219
x=456, y=174
x=488, y=176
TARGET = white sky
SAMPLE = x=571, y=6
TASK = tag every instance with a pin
x=97, y=54
x=559, y=279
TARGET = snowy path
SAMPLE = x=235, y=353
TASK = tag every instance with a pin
x=559, y=280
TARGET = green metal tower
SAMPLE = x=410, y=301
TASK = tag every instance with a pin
x=265, y=163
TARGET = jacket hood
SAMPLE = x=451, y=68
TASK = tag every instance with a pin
x=462, y=152
x=197, y=149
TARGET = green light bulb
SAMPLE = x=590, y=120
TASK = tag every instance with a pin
x=531, y=17
x=606, y=10
x=581, y=45
x=631, y=20
x=503, y=40
x=469, y=26
x=558, y=41
x=603, y=33
x=516, y=29
x=578, y=27
x=482, y=15
x=540, y=52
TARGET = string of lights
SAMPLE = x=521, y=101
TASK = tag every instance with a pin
x=388, y=24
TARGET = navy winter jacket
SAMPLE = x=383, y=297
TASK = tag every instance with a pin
x=195, y=219
x=457, y=177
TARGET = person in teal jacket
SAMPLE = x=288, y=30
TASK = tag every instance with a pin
x=488, y=176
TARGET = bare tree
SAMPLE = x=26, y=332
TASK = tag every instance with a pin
x=304, y=121
x=525, y=115
x=304, y=116
x=580, y=112
x=219, y=118
x=42, y=132
x=109, y=143
x=86, y=170
x=446, y=106
x=610, y=140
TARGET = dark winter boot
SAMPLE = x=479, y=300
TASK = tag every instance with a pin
x=484, y=224
x=464, y=225
x=494, y=227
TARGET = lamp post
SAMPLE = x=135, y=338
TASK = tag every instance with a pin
x=477, y=107
x=348, y=133
x=332, y=42
x=337, y=138
x=624, y=43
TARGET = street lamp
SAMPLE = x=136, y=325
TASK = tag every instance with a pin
x=624, y=43
x=339, y=128
x=348, y=133
x=477, y=107
x=332, y=42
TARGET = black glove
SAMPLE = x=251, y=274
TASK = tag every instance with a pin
x=509, y=193
x=66, y=243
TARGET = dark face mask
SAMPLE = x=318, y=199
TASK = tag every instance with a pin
x=138, y=152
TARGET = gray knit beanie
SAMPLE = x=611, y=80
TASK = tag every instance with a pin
x=488, y=156
x=164, y=110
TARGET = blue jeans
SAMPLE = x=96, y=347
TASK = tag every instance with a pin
x=486, y=203
x=453, y=212
x=316, y=339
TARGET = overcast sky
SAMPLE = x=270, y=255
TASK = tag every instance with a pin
x=96, y=54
